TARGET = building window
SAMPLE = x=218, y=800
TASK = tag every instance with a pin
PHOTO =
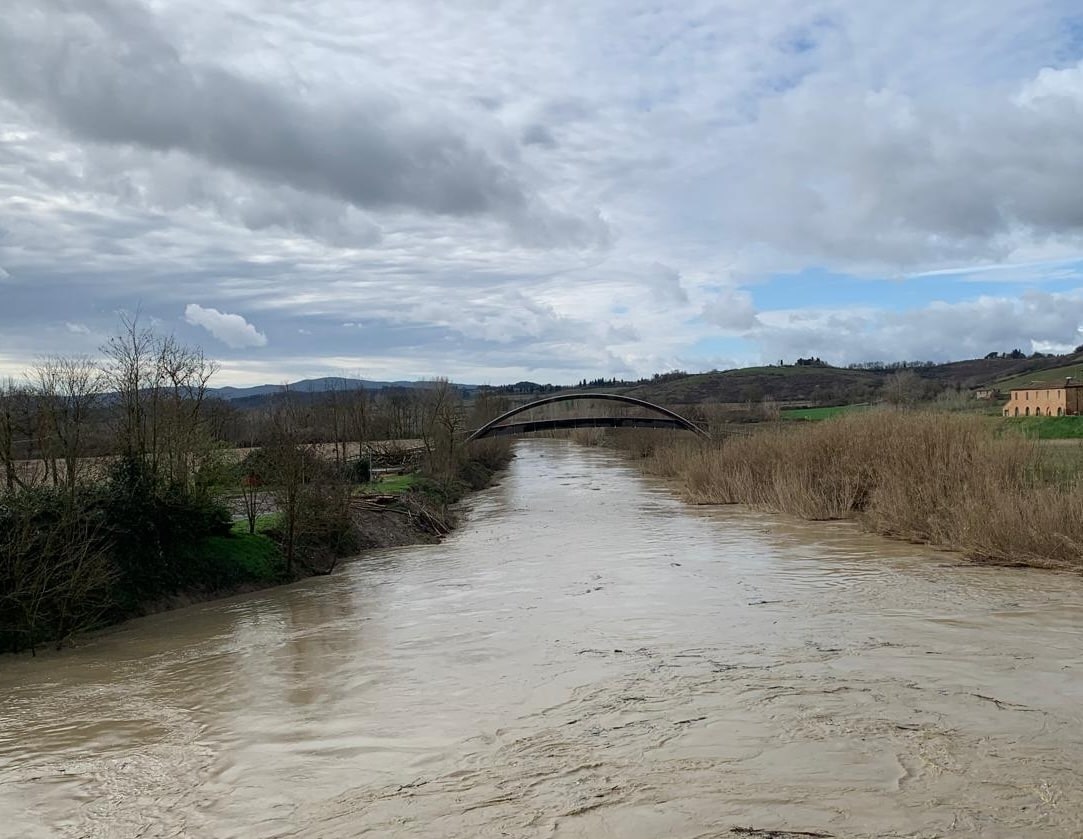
x=1017, y=410
x=1060, y=412
x=1027, y=411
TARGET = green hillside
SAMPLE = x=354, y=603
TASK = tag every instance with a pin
x=822, y=385
x=753, y=384
x=1051, y=374
x=980, y=372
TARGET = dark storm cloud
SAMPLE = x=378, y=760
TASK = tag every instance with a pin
x=106, y=73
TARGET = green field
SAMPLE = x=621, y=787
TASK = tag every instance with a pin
x=1048, y=428
x=820, y=413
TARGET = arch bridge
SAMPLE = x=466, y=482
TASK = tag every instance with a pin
x=500, y=427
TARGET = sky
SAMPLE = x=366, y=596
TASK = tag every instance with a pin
x=497, y=190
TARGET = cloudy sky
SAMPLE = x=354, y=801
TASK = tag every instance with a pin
x=503, y=189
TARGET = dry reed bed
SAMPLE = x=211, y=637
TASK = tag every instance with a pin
x=932, y=478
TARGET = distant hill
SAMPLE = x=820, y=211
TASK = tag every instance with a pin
x=813, y=384
x=985, y=372
x=1047, y=374
x=752, y=384
x=825, y=385
x=321, y=385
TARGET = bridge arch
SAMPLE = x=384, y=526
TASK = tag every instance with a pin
x=672, y=419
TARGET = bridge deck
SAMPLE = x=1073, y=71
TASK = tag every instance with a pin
x=566, y=423
x=501, y=427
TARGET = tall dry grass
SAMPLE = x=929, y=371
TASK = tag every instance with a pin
x=934, y=478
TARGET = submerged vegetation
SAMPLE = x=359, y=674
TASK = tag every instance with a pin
x=949, y=480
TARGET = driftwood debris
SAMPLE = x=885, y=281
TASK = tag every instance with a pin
x=405, y=506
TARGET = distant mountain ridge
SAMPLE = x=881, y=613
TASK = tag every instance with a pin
x=811, y=383
x=320, y=385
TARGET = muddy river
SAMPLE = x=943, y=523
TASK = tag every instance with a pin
x=585, y=657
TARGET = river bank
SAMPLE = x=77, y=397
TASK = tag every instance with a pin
x=963, y=483
x=410, y=520
x=130, y=547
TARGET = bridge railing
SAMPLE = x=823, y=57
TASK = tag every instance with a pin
x=668, y=419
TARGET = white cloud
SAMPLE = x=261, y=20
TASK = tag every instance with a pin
x=540, y=196
x=732, y=310
x=938, y=331
x=77, y=328
x=666, y=286
x=232, y=330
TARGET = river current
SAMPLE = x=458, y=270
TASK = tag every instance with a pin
x=585, y=657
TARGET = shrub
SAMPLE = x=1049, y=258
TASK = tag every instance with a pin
x=151, y=526
x=56, y=571
x=944, y=479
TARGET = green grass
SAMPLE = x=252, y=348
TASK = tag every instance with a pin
x=264, y=523
x=1061, y=460
x=391, y=485
x=820, y=413
x=256, y=556
x=223, y=562
x=1049, y=428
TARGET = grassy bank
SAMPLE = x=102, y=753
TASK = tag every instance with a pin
x=820, y=413
x=240, y=558
x=1047, y=428
x=391, y=484
x=952, y=481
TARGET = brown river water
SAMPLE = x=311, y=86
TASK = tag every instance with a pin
x=585, y=657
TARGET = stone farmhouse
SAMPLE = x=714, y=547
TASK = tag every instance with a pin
x=1046, y=399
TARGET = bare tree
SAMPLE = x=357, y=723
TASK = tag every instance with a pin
x=10, y=430
x=132, y=372
x=289, y=462
x=443, y=422
x=254, y=499
x=358, y=416
x=161, y=386
x=904, y=387
x=184, y=373
x=67, y=389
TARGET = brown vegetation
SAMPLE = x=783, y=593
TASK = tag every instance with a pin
x=932, y=478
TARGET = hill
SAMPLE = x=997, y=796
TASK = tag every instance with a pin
x=320, y=385
x=825, y=385
x=813, y=384
x=752, y=384
x=985, y=372
x=1048, y=374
